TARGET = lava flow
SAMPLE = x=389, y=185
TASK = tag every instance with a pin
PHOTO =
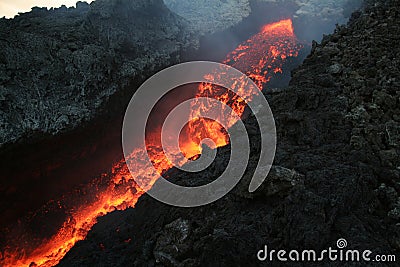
x=259, y=58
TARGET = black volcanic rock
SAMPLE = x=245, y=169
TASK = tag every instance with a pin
x=59, y=67
x=338, y=132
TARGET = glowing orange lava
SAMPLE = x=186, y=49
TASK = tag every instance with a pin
x=260, y=58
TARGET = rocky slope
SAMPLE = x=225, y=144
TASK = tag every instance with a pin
x=336, y=172
x=59, y=67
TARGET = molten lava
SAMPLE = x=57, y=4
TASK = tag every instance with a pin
x=259, y=58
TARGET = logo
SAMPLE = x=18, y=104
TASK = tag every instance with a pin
x=330, y=254
x=150, y=93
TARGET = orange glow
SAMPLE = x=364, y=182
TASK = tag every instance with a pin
x=259, y=58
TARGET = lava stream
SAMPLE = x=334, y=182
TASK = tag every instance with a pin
x=259, y=58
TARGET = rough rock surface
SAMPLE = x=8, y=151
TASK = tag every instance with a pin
x=59, y=66
x=208, y=16
x=327, y=10
x=337, y=160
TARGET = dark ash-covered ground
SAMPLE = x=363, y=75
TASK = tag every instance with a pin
x=336, y=173
x=60, y=67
